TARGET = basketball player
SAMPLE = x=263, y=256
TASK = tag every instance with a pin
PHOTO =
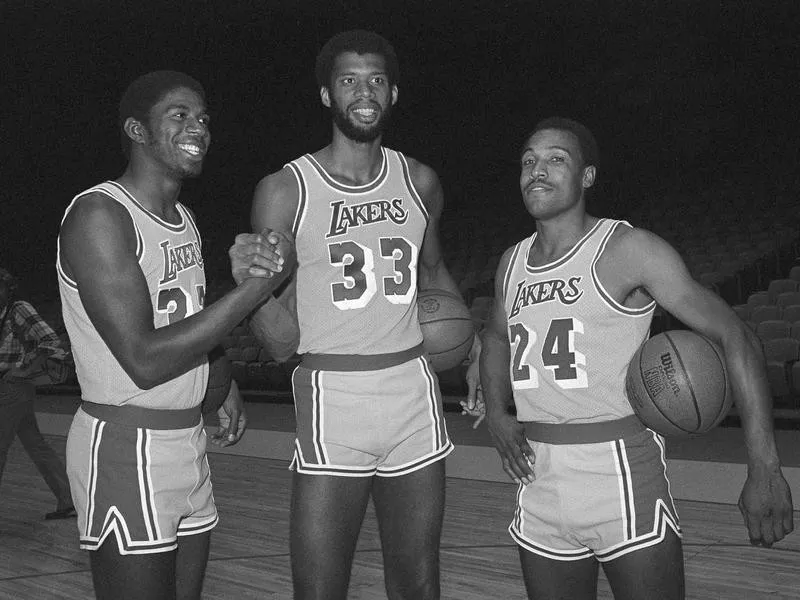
x=132, y=287
x=369, y=411
x=573, y=303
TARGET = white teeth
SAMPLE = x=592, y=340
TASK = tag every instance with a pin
x=190, y=149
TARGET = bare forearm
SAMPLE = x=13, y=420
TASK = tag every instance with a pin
x=438, y=277
x=752, y=394
x=276, y=328
x=495, y=380
x=164, y=353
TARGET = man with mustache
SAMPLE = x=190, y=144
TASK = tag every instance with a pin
x=592, y=481
x=369, y=411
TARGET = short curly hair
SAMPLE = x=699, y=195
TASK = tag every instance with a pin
x=588, y=145
x=146, y=91
x=359, y=41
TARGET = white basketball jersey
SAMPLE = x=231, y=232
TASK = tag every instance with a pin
x=171, y=260
x=570, y=341
x=357, y=253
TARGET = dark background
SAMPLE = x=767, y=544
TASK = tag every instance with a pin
x=681, y=96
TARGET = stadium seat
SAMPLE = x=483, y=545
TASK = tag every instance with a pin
x=758, y=298
x=779, y=286
x=791, y=313
x=781, y=355
x=785, y=299
x=766, y=312
x=773, y=329
x=794, y=331
x=794, y=273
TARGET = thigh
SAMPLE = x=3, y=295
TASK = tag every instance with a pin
x=190, y=567
x=654, y=572
x=548, y=579
x=325, y=520
x=132, y=576
x=146, y=486
x=410, y=509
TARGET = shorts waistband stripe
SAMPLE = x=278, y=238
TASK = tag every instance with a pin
x=583, y=433
x=149, y=418
x=360, y=362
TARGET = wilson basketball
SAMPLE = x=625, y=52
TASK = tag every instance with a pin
x=677, y=383
x=219, y=381
x=447, y=328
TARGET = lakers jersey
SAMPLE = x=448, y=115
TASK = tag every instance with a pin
x=171, y=261
x=570, y=341
x=357, y=252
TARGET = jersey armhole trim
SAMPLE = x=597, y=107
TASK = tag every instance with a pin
x=509, y=270
x=101, y=188
x=302, y=194
x=415, y=196
x=602, y=292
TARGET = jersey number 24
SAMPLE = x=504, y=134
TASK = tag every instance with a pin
x=557, y=351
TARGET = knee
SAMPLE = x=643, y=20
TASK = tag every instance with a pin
x=417, y=580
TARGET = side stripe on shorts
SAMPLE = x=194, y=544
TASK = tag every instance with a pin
x=317, y=408
x=97, y=437
x=146, y=484
x=625, y=489
x=437, y=420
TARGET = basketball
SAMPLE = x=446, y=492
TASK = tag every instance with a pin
x=677, y=383
x=447, y=328
x=219, y=381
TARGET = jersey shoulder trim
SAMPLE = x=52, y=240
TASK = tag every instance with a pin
x=564, y=259
x=330, y=182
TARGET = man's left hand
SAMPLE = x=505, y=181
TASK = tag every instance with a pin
x=766, y=505
x=232, y=419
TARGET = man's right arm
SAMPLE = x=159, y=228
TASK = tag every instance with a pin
x=275, y=324
x=98, y=246
x=507, y=433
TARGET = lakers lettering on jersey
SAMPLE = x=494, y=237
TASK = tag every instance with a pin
x=170, y=257
x=570, y=342
x=357, y=252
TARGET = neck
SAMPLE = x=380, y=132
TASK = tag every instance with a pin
x=555, y=237
x=356, y=162
x=155, y=191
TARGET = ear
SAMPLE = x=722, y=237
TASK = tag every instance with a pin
x=134, y=130
x=394, y=95
x=325, y=96
x=589, y=173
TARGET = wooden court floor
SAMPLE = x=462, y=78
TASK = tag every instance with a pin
x=40, y=560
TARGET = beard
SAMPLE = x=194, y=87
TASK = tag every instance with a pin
x=174, y=164
x=356, y=132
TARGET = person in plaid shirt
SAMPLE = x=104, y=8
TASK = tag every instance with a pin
x=30, y=351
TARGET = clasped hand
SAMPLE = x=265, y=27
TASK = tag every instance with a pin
x=266, y=254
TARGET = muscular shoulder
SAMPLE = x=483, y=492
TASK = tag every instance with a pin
x=633, y=255
x=96, y=212
x=275, y=200
x=633, y=245
x=427, y=184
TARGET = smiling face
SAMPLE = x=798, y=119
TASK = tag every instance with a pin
x=553, y=175
x=359, y=95
x=176, y=136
